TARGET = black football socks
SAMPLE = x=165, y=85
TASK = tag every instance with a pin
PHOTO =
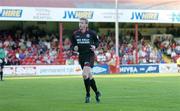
x=93, y=85
x=87, y=86
x=1, y=73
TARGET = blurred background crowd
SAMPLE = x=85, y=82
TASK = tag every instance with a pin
x=35, y=46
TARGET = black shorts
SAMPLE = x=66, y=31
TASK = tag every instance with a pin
x=2, y=64
x=86, y=60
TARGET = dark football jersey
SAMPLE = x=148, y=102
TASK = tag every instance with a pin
x=84, y=41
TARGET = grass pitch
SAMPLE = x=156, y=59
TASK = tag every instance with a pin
x=119, y=93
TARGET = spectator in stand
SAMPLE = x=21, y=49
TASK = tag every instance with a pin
x=2, y=60
x=28, y=43
x=22, y=55
x=142, y=56
x=66, y=44
x=173, y=56
x=178, y=63
x=177, y=49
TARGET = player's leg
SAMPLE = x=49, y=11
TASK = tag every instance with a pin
x=1, y=68
x=86, y=79
x=1, y=73
x=86, y=70
x=92, y=80
x=94, y=87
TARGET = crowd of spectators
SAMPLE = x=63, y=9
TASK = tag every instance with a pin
x=29, y=47
x=146, y=52
x=168, y=45
x=34, y=46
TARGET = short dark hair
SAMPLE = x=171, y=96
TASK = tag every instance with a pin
x=85, y=19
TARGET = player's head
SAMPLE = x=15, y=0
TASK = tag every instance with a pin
x=83, y=24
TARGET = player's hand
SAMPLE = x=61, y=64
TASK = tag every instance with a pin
x=93, y=47
x=76, y=48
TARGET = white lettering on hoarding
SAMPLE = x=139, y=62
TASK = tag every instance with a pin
x=25, y=70
x=151, y=68
x=129, y=69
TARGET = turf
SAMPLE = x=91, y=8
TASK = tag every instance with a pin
x=67, y=94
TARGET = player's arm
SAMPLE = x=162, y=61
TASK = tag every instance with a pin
x=74, y=43
x=95, y=40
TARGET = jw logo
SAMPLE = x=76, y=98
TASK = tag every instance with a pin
x=144, y=16
x=78, y=14
x=176, y=17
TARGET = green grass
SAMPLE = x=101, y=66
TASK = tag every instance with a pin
x=67, y=94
